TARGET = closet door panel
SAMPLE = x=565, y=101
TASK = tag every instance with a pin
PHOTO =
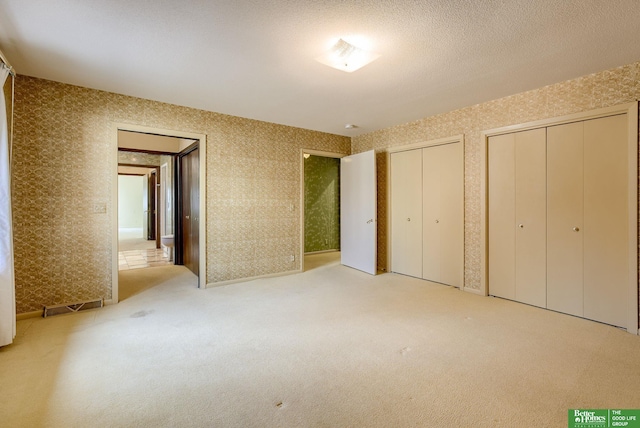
x=530, y=217
x=501, y=189
x=452, y=214
x=565, y=218
x=406, y=209
x=606, y=219
x=431, y=194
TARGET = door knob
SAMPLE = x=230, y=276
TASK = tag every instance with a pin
x=576, y=229
x=408, y=219
x=437, y=221
x=187, y=217
x=521, y=226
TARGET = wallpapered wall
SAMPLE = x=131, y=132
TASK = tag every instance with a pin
x=64, y=164
x=604, y=89
x=135, y=158
x=321, y=203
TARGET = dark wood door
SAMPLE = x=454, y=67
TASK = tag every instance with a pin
x=190, y=203
x=151, y=208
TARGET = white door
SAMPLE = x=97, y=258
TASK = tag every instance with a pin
x=565, y=207
x=502, y=203
x=606, y=232
x=406, y=213
x=451, y=219
x=431, y=213
x=358, y=212
x=517, y=216
x=531, y=217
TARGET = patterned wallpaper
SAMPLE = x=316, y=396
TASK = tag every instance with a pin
x=136, y=158
x=604, y=89
x=64, y=164
x=321, y=204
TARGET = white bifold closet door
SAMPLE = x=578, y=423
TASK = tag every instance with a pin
x=427, y=213
x=558, y=218
x=517, y=216
x=588, y=219
x=406, y=218
x=565, y=255
x=443, y=214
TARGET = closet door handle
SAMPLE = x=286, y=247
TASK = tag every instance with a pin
x=576, y=229
x=408, y=219
x=437, y=221
x=521, y=226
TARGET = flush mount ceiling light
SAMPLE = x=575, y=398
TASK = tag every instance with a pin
x=347, y=57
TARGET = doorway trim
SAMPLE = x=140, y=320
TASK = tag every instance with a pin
x=313, y=153
x=157, y=172
x=202, y=145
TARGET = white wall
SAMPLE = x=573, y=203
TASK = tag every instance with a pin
x=130, y=210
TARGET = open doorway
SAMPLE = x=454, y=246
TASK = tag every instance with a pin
x=320, y=195
x=141, y=242
x=153, y=158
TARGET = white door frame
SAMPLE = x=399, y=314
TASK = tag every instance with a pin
x=631, y=109
x=202, y=146
x=313, y=153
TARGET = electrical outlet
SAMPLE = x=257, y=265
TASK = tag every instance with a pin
x=99, y=208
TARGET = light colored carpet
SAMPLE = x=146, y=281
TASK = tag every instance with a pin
x=332, y=347
x=133, y=239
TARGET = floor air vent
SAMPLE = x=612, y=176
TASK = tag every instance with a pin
x=50, y=311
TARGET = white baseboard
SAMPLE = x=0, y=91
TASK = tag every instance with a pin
x=109, y=302
x=235, y=281
x=27, y=315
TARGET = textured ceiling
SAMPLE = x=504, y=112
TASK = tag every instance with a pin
x=256, y=58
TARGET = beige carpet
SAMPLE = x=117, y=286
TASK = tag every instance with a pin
x=332, y=347
x=133, y=239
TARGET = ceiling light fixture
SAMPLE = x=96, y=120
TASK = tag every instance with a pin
x=347, y=57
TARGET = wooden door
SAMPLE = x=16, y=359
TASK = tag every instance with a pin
x=145, y=207
x=606, y=235
x=452, y=214
x=502, y=197
x=153, y=233
x=565, y=223
x=531, y=217
x=190, y=204
x=358, y=212
x=406, y=212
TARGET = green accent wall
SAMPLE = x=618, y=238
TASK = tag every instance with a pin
x=321, y=204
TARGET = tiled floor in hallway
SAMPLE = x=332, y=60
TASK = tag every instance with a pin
x=136, y=259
